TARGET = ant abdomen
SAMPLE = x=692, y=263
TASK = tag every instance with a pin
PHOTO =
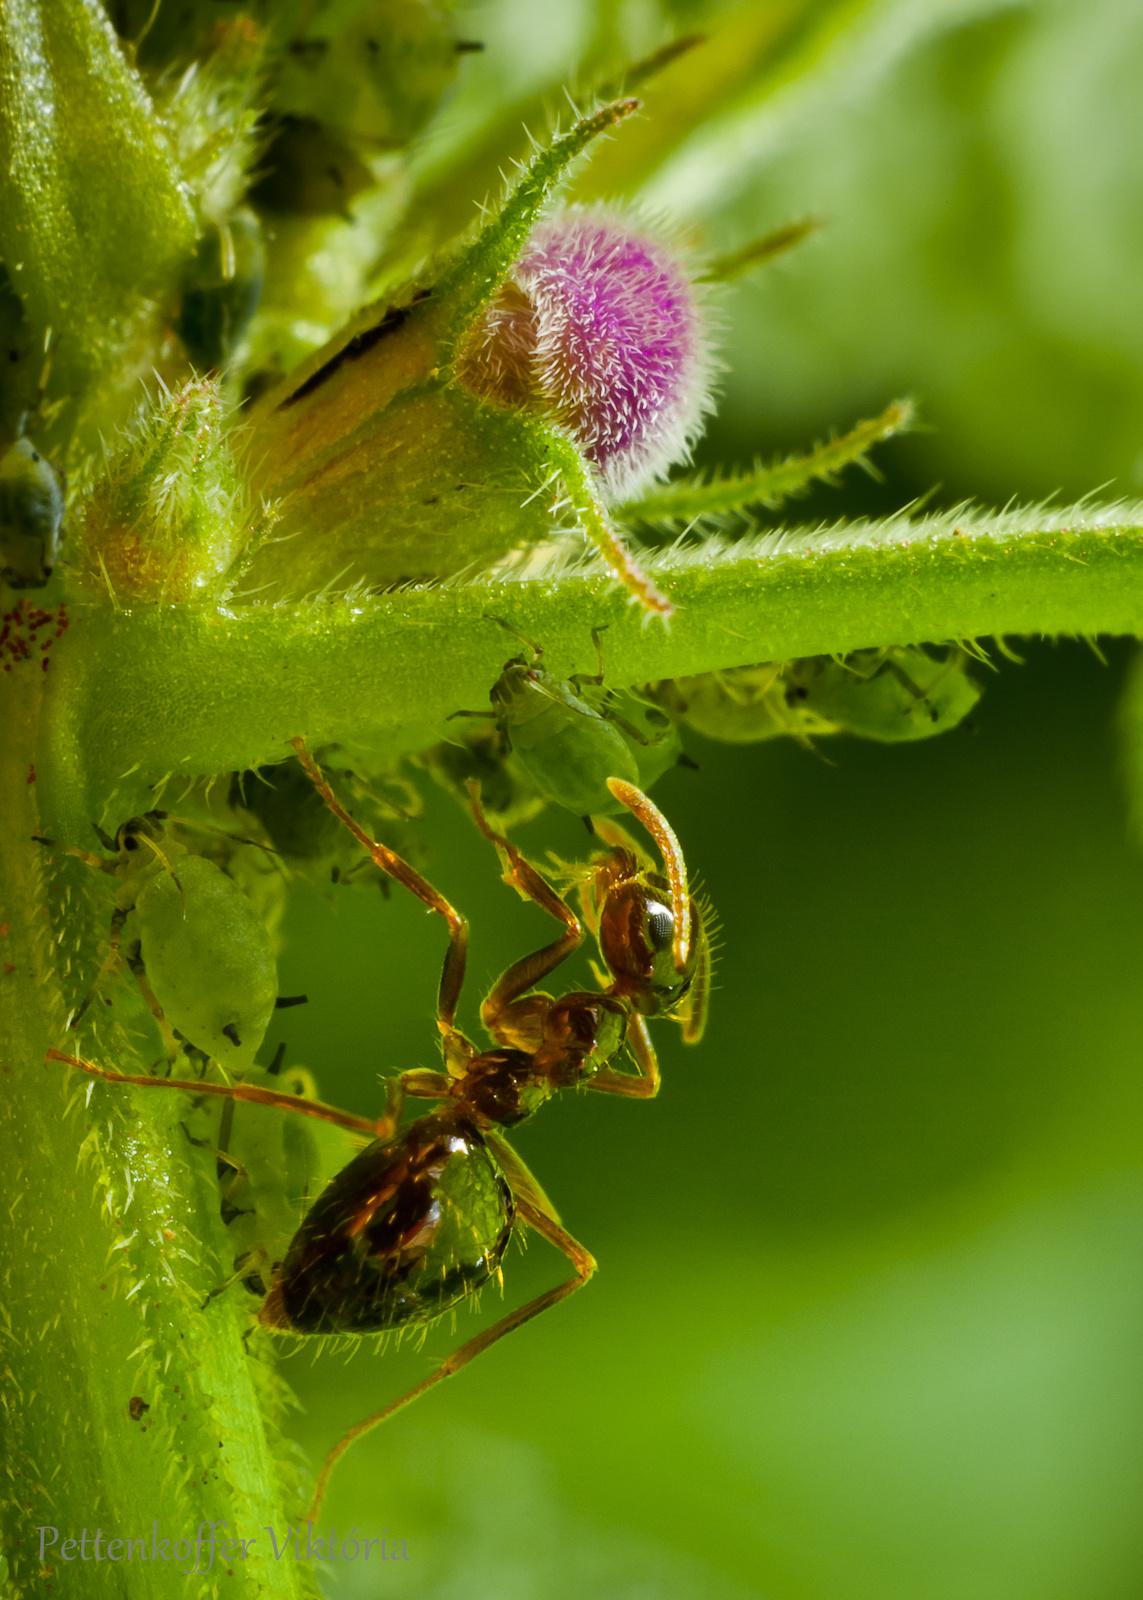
x=407, y=1230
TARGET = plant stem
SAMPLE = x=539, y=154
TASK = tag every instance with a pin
x=154, y=692
x=112, y=1240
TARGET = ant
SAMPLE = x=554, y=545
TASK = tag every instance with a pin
x=420, y=1219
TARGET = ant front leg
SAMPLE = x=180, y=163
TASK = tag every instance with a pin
x=457, y=1048
x=532, y=1208
x=644, y=1085
x=519, y=874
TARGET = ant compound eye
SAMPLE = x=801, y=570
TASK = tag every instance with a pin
x=659, y=925
x=599, y=326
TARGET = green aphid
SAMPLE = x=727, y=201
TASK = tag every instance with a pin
x=207, y=959
x=481, y=755
x=375, y=71
x=222, y=286
x=740, y=705
x=309, y=839
x=567, y=739
x=652, y=736
x=200, y=953
x=31, y=516
x=271, y=1169
x=894, y=695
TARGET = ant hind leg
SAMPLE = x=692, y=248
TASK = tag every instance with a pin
x=532, y=1208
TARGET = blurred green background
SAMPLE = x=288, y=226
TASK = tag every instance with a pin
x=869, y=1319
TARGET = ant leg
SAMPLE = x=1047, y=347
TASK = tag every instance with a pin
x=671, y=851
x=383, y=1128
x=520, y=875
x=538, y=1216
x=422, y=1085
x=646, y=1085
x=452, y=976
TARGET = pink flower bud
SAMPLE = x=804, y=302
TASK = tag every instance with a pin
x=599, y=327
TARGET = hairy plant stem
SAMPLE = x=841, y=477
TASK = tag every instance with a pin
x=138, y=696
x=112, y=1239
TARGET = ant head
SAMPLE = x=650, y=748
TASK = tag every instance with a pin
x=654, y=937
x=636, y=931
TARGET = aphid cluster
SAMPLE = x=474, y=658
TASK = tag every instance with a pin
x=419, y=1221
x=894, y=696
x=193, y=941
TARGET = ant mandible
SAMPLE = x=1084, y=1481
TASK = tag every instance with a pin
x=421, y=1218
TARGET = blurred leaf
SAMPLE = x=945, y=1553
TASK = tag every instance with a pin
x=92, y=212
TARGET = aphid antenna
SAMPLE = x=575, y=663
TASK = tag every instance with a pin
x=223, y=833
x=162, y=857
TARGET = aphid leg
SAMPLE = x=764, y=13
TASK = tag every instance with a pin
x=452, y=975
x=381, y=1129
x=89, y=859
x=594, y=678
x=646, y=1085
x=536, y=649
x=596, y=523
x=153, y=1006
x=110, y=962
x=954, y=659
x=520, y=875
x=663, y=834
x=531, y=1208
